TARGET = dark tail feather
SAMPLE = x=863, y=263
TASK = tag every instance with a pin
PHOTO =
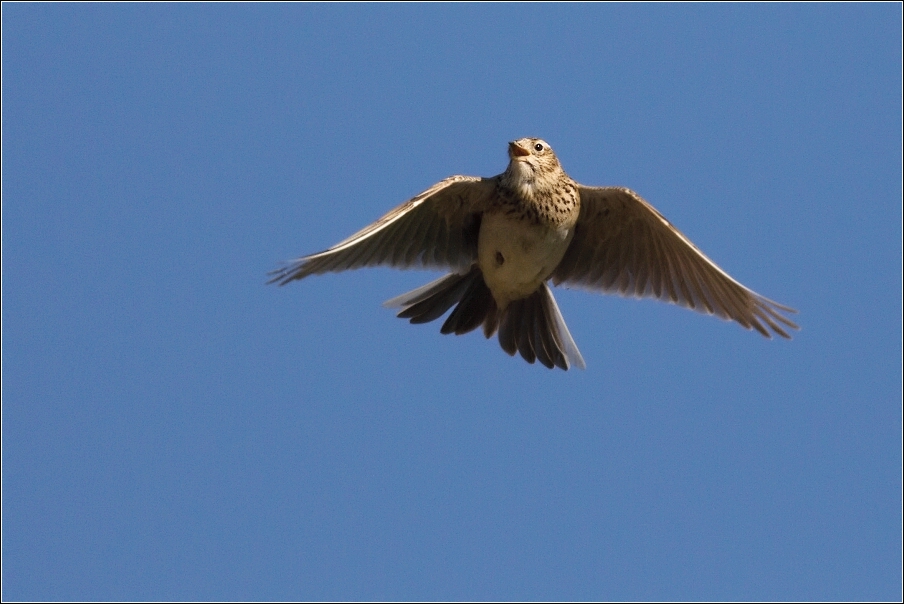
x=532, y=326
x=476, y=305
x=431, y=301
x=476, y=308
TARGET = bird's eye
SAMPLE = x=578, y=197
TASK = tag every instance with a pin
x=538, y=147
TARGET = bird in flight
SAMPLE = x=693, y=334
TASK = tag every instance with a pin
x=504, y=238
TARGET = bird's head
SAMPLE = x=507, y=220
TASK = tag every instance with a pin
x=533, y=167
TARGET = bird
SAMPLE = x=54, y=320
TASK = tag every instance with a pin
x=505, y=238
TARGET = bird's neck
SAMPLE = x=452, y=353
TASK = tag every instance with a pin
x=549, y=199
x=531, y=183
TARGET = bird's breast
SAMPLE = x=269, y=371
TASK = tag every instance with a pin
x=517, y=255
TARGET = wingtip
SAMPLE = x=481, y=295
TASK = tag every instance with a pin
x=284, y=274
x=277, y=276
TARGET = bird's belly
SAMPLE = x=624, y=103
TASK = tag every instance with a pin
x=516, y=257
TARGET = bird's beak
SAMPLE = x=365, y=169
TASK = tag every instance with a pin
x=516, y=151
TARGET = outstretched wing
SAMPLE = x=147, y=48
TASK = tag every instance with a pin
x=436, y=229
x=623, y=245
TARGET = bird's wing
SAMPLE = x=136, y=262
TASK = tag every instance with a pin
x=623, y=245
x=435, y=229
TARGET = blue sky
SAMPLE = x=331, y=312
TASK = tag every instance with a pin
x=175, y=429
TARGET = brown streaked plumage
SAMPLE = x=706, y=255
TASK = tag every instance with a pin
x=504, y=237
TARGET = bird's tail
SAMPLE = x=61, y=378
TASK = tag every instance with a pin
x=532, y=326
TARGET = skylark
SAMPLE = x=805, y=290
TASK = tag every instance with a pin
x=506, y=236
